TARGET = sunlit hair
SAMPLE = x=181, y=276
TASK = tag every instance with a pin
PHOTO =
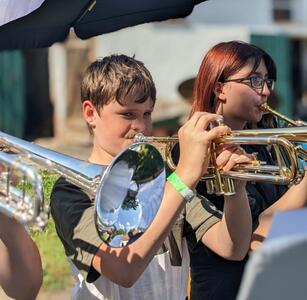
x=222, y=61
x=115, y=77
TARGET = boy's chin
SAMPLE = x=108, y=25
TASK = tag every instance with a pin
x=127, y=143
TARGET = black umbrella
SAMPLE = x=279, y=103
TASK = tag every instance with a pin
x=52, y=21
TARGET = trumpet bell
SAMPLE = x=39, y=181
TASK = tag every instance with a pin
x=129, y=194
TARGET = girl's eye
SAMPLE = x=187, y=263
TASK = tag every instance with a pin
x=147, y=114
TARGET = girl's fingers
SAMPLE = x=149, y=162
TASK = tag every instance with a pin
x=237, y=157
x=223, y=158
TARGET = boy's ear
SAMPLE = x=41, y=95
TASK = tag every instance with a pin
x=89, y=112
x=219, y=91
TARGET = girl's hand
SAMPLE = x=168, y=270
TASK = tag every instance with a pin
x=229, y=155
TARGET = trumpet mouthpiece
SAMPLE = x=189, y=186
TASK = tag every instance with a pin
x=139, y=137
x=264, y=106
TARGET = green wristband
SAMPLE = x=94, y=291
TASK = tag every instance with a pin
x=180, y=187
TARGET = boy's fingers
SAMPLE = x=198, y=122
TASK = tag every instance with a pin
x=207, y=122
x=216, y=132
x=201, y=120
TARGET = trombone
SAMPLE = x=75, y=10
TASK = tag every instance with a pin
x=21, y=192
x=127, y=193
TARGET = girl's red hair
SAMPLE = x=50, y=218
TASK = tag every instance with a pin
x=222, y=61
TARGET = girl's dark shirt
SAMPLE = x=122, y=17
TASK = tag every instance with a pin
x=213, y=277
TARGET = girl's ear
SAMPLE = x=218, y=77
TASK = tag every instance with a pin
x=219, y=92
x=89, y=113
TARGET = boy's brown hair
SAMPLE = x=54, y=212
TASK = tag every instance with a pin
x=113, y=78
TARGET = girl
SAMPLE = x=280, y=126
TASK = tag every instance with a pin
x=234, y=79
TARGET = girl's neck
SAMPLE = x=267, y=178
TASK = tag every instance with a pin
x=234, y=124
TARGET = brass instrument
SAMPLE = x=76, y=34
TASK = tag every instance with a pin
x=127, y=193
x=294, y=135
x=288, y=170
x=21, y=192
x=266, y=108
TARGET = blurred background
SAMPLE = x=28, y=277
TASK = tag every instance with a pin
x=39, y=88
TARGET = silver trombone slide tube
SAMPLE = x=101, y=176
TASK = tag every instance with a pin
x=15, y=202
x=85, y=175
x=127, y=193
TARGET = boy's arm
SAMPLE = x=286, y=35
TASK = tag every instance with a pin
x=20, y=263
x=134, y=258
x=73, y=213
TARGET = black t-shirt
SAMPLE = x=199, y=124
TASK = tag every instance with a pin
x=213, y=277
x=73, y=212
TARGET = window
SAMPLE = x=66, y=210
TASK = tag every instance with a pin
x=281, y=10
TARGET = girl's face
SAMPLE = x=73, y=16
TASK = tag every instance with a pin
x=116, y=125
x=239, y=101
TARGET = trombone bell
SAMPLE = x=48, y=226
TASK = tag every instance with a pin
x=127, y=193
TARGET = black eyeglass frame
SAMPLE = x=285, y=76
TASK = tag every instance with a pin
x=269, y=82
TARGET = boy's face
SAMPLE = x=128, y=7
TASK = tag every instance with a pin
x=116, y=125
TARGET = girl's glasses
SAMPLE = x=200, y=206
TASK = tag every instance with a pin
x=255, y=82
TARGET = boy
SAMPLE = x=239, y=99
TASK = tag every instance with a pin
x=118, y=96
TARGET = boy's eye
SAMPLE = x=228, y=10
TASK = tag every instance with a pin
x=147, y=114
x=127, y=114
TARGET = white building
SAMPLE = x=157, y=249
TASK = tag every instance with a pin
x=173, y=50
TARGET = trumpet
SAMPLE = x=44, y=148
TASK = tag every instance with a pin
x=287, y=171
x=127, y=193
x=294, y=135
x=266, y=108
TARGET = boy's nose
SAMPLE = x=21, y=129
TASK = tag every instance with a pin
x=139, y=125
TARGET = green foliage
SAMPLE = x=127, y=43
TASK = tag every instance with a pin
x=56, y=269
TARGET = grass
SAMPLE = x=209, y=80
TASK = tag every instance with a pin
x=56, y=268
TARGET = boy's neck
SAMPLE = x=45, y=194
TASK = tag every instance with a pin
x=100, y=157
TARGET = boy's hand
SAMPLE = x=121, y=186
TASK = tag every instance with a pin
x=195, y=142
